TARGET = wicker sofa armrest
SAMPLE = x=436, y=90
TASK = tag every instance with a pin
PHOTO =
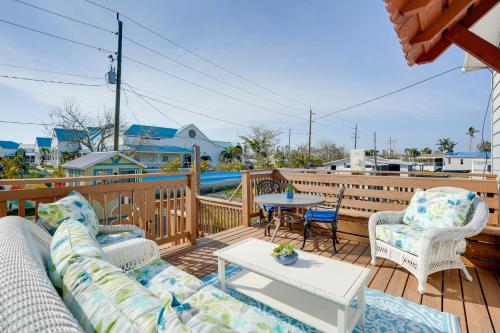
x=110, y=229
x=387, y=217
x=132, y=253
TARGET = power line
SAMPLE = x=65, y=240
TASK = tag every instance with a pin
x=198, y=55
x=154, y=107
x=50, y=81
x=188, y=110
x=66, y=17
x=52, y=72
x=208, y=88
x=23, y=123
x=57, y=36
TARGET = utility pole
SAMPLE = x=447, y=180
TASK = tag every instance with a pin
x=391, y=142
x=355, y=137
x=118, y=84
x=310, y=128
x=375, y=150
x=289, y=142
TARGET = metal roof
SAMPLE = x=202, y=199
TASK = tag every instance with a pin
x=151, y=131
x=94, y=158
x=468, y=154
x=63, y=134
x=43, y=142
x=9, y=145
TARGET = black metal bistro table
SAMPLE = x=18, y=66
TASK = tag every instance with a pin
x=279, y=201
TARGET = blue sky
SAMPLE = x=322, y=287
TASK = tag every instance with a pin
x=328, y=54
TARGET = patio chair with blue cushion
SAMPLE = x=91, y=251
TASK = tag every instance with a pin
x=429, y=236
x=324, y=216
x=265, y=211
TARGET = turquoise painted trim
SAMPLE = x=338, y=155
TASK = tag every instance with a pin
x=118, y=164
x=129, y=169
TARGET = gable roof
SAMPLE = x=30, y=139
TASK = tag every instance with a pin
x=151, y=131
x=63, y=134
x=9, y=145
x=43, y=142
x=94, y=158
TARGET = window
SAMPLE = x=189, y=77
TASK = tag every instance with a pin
x=449, y=160
x=192, y=133
x=164, y=158
x=461, y=161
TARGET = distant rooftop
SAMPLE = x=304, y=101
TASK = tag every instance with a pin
x=94, y=158
x=43, y=142
x=151, y=131
x=9, y=145
x=160, y=149
x=468, y=154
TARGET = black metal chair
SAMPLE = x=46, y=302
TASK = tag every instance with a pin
x=324, y=216
x=265, y=211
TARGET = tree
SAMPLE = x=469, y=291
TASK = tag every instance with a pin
x=230, y=154
x=327, y=150
x=171, y=166
x=94, y=132
x=484, y=146
x=471, y=132
x=412, y=152
x=261, y=143
x=446, y=145
x=426, y=150
x=44, y=153
x=10, y=168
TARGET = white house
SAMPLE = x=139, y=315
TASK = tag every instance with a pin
x=29, y=153
x=383, y=164
x=68, y=141
x=42, y=150
x=466, y=161
x=431, y=162
x=153, y=145
x=8, y=148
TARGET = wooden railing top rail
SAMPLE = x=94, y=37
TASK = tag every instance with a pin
x=205, y=199
x=27, y=181
x=380, y=172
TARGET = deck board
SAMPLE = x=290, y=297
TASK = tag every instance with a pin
x=476, y=303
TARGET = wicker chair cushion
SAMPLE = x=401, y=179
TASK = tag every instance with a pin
x=28, y=301
x=106, y=239
x=74, y=207
x=407, y=237
x=104, y=299
x=164, y=279
x=434, y=209
x=71, y=240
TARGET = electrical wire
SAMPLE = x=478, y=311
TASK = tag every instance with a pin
x=66, y=17
x=57, y=36
x=154, y=107
x=52, y=72
x=51, y=81
x=23, y=123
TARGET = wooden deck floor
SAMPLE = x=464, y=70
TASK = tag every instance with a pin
x=477, y=303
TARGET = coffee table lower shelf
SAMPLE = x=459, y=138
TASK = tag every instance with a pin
x=313, y=310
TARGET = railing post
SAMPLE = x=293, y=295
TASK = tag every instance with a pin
x=246, y=196
x=191, y=207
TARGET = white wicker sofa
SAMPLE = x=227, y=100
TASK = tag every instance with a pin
x=431, y=249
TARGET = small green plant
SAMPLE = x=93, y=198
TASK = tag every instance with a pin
x=283, y=250
x=289, y=188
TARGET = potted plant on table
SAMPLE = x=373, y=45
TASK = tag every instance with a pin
x=285, y=254
x=289, y=191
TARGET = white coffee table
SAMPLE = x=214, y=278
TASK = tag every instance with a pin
x=315, y=290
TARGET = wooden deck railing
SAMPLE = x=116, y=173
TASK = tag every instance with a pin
x=165, y=210
x=216, y=215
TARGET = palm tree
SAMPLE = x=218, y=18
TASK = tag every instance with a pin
x=426, y=150
x=471, y=132
x=230, y=154
x=446, y=145
x=10, y=168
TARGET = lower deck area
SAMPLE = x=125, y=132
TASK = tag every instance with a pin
x=476, y=303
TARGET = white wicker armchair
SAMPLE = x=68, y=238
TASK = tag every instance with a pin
x=440, y=249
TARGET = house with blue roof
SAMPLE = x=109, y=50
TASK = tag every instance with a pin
x=154, y=145
x=42, y=148
x=467, y=161
x=8, y=148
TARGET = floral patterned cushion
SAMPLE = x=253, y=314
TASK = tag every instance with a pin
x=118, y=237
x=71, y=240
x=74, y=206
x=212, y=310
x=104, y=299
x=434, y=209
x=164, y=279
x=406, y=237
